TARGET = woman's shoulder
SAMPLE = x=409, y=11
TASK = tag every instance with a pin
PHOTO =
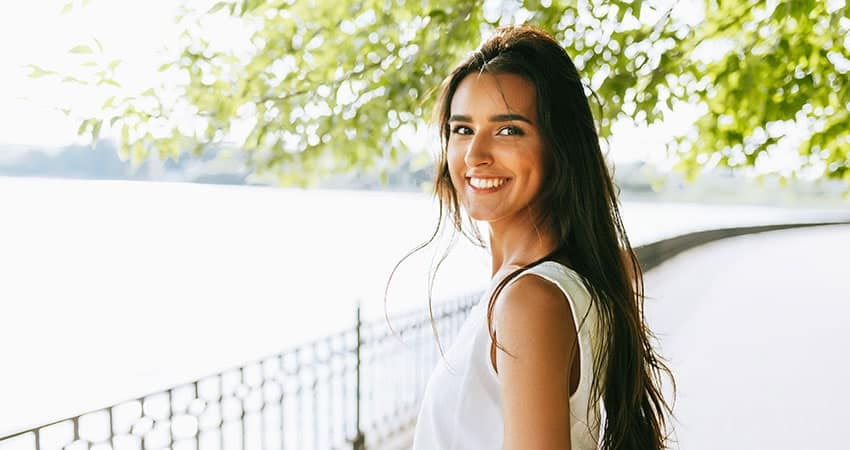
x=568, y=279
x=532, y=311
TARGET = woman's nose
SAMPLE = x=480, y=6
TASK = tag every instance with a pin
x=478, y=152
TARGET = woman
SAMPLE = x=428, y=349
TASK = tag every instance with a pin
x=559, y=357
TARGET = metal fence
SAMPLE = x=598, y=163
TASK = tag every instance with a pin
x=353, y=390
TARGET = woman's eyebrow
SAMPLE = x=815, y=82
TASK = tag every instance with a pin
x=510, y=118
x=459, y=118
x=496, y=118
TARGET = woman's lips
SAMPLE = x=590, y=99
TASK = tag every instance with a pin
x=479, y=190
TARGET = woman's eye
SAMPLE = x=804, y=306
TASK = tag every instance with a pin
x=510, y=131
x=461, y=129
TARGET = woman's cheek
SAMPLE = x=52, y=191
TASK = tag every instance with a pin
x=456, y=167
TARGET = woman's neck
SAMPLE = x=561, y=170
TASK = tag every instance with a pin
x=512, y=247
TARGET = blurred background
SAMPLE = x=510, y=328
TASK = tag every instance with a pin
x=196, y=193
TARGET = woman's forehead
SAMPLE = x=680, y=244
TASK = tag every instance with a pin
x=480, y=95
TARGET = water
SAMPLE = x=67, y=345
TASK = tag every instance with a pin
x=114, y=289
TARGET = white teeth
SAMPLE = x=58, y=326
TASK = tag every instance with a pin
x=486, y=183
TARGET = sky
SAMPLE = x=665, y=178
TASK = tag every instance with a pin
x=138, y=33
x=39, y=33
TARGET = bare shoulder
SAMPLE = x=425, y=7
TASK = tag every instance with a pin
x=533, y=323
x=533, y=307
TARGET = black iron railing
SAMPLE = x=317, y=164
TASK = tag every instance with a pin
x=352, y=390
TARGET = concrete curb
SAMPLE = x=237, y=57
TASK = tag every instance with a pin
x=654, y=254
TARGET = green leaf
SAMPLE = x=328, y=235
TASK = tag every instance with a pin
x=218, y=7
x=38, y=72
x=108, y=82
x=81, y=50
x=84, y=125
x=138, y=153
x=438, y=14
x=168, y=148
x=70, y=79
x=95, y=132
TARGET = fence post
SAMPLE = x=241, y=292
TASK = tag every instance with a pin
x=359, y=442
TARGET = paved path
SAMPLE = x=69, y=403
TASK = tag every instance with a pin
x=757, y=330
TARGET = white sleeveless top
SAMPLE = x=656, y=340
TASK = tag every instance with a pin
x=462, y=407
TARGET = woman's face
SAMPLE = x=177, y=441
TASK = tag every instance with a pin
x=495, y=150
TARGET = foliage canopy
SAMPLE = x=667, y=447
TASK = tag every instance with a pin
x=320, y=87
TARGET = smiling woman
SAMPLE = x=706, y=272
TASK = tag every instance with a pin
x=557, y=354
x=495, y=150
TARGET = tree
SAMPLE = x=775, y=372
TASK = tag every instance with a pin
x=333, y=86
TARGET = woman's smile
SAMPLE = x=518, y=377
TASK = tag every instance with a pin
x=486, y=185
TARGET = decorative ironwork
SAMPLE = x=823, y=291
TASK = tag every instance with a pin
x=351, y=390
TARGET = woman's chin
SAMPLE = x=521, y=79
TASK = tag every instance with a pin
x=481, y=216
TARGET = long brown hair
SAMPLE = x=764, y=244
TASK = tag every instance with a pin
x=579, y=203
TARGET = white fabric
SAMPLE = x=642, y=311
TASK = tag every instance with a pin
x=462, y=408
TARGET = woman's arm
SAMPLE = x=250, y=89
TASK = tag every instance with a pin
x=534, y=323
